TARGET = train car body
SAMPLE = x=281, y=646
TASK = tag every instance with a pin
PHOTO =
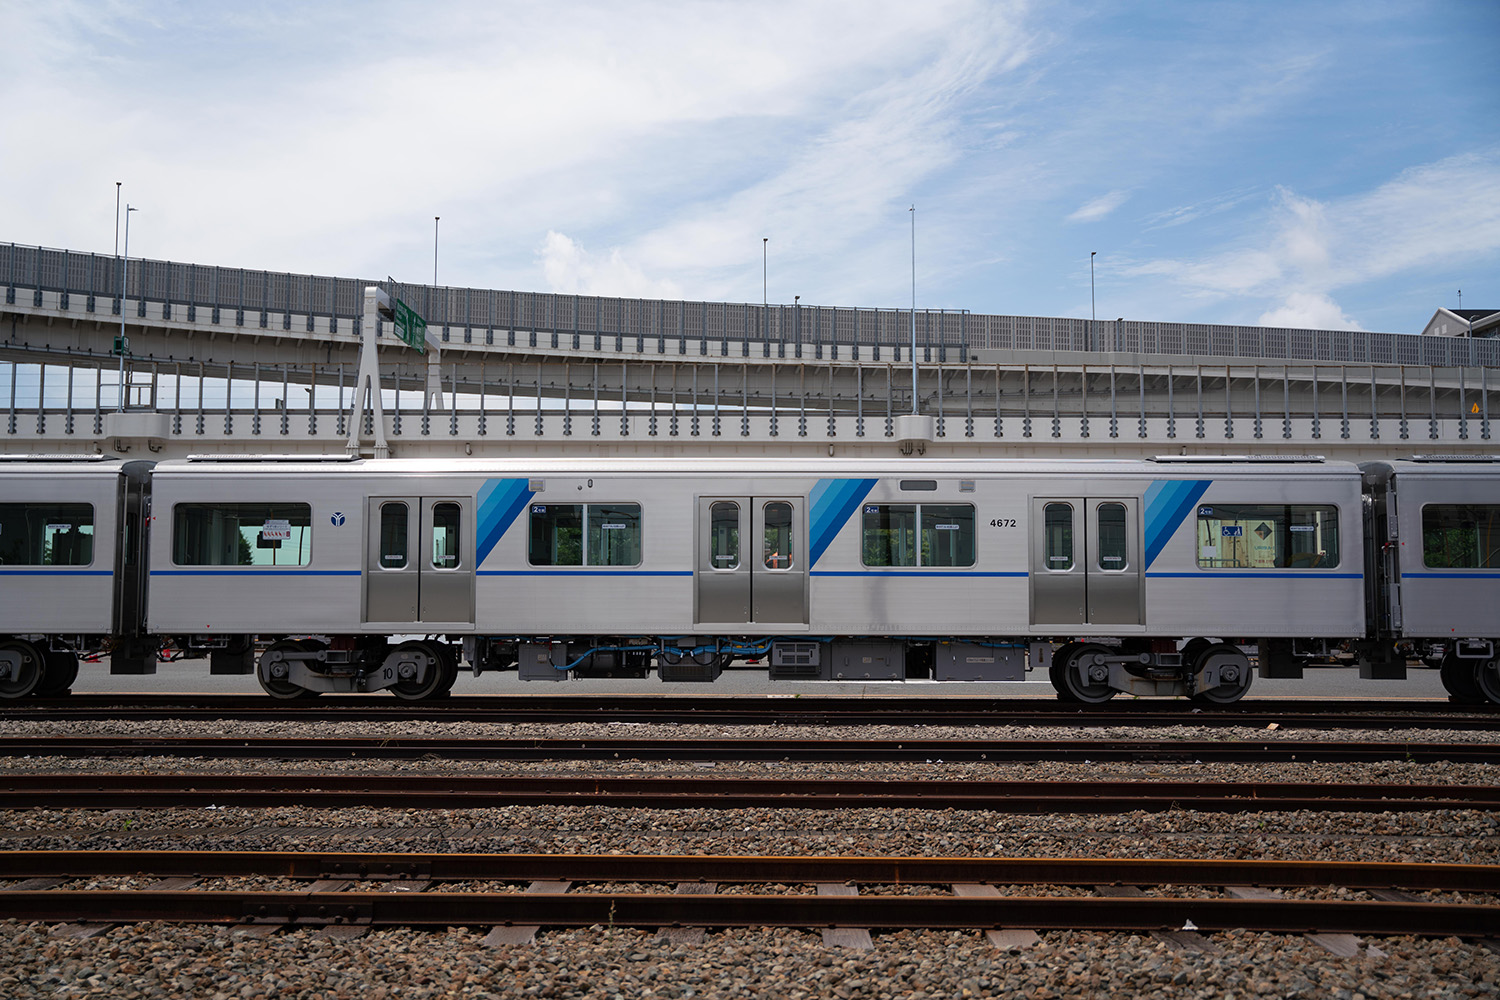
x=1160, y=577
x=70, y=574
x=1436, y=527
x=599, y=564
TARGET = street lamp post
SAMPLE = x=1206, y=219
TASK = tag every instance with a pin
x=1093, y=313
x=914, y=407
x=765, y=299
x=124, y=275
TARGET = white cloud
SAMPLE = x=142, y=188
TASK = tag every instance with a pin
x=571, y=269
x=1308, y=311
x=1093, y=211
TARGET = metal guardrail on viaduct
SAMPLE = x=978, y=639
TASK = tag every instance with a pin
x=225, y=359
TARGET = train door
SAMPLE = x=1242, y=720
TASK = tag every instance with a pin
x=751, y=564
x=1086, y=565
x=419, y=561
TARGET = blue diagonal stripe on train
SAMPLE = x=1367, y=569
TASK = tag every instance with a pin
x=833, y=500
x=500, y=500
x=1167, y=503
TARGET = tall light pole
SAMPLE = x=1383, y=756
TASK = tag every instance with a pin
x=124, y=274
x=913, y=309
x=1093, y=313
x=765, y=299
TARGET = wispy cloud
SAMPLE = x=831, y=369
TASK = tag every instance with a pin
x=1098, y=208
x=1306, y=250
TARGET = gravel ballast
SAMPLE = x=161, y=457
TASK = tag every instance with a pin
x=170, y=961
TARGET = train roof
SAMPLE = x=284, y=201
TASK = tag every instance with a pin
x=1163, y=467
x=61, y=465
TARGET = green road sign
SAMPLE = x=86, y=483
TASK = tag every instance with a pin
x=410, y=327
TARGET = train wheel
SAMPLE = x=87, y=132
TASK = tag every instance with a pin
x=450, y=669
x=1095, y=690
x=24, y=680
x=1487, y=680
x=1459, y=679
x=59, y=672
x=430, y=686
x=280, y=687
x=1060, y=657
x=1235, y=678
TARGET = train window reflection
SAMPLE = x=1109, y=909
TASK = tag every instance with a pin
x=724, y=535
x=1461, y=536
x=778, y=537
x=1057, y=535
x=46, y=534
x=1112, y=554
x=393, y=535
x=575, y=534
x=1268, y=536
x=242, y=534
x=446, y=544
x=614, y=534
x=928, y=534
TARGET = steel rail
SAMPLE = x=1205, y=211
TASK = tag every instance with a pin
x=932, y=750
x=449, y=909
x=785, y=869
x=125, y=791
x=766, y=710
x=415, y=908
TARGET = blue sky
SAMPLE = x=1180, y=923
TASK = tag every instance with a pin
x=1304, y=164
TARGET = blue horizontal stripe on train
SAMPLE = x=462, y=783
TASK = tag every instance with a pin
x=1257, y=575
x=1450, y=576
x=57, y=572
x=257, y=571
x=906, y=572
x=585, y=572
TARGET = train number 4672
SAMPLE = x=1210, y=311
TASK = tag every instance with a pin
x=1003, y=522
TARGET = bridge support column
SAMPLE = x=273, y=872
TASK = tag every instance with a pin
x=367, y=382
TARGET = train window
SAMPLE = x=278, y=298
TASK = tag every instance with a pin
x=947, y=534
x=929, y=534
x=1057, y=535
x=242, y=534
x=1268, y=536
x=575, y=534
x=393, y=518
x=890, y=534
x=779, y=540
x=724, y=535
x=557, y=534
x=614, y=534
x=1112, y=553
x=446, y=538
x=46, y=534
x=1461, y=536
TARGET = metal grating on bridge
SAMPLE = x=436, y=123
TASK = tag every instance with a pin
x=174, y=292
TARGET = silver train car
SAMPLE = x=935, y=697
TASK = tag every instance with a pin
x=1170, y=577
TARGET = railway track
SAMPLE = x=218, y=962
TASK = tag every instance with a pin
x=361, y=891
x=746, y=710
x=128, y=791
x=731, y=749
